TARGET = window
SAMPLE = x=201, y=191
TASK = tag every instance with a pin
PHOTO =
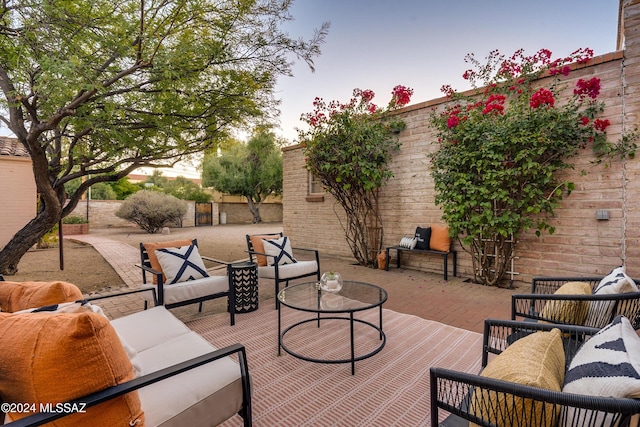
x=315, y=191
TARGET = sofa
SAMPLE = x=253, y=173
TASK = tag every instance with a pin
x=537, y=374
x=67, y=359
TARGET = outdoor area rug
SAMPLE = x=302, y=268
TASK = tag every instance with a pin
x=389, y=389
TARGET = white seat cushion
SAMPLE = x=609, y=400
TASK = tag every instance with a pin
x=204, y=396
x=191, y=289
x=148, y=328
x=288, y=271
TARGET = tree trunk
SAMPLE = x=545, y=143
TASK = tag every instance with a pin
x=254, y=208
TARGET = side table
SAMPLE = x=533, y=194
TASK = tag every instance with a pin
x=244, y=279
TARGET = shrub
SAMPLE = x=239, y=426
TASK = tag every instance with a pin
x=151, y=210
x=74, y=219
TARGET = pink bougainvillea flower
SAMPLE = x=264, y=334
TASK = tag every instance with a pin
x=453, y=121
x=372, y=108
x=601, y=125
x=401, y=96
x=590, y=88
x=542, y=97
x=584, y=121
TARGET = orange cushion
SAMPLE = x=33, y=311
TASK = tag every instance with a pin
x=440, y=240
x=258, y=246
x=16, y=296
x=153, y=259
x=58, y=357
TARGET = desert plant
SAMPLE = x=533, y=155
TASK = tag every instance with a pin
x=151, y=210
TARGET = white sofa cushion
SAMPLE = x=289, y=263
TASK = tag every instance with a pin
x=203, y=396
x=280, y=251
x=287, y=271
x=149, y=328
x=191, y=289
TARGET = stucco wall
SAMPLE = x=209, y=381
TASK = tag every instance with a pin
x=18, y=194
x=581, y=244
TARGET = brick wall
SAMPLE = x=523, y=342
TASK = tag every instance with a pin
x=18, y=195
x=581, y=244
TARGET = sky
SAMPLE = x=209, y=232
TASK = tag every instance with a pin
x=378, y=44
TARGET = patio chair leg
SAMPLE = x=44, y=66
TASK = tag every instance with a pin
x=200, y=307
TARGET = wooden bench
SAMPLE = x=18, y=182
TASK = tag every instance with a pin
x=445, y=255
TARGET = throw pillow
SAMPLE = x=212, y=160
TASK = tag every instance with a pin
x=408, y=242
x=181, y=264
x=279, y=250
x=16, y=296
x=423, y=236
x=535, y=360
x=258, y=246
x=608, y=364
x=153, y=259
x=440, y=240
x=84, y=306
x=573, y=312
x=59, y=357
x=616, y=282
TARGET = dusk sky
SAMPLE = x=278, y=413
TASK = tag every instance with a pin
x=378, y=44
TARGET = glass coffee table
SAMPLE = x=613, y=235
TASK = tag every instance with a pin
x=353, y=297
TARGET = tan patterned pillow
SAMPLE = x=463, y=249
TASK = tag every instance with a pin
x=573, y=312
x=536, y=360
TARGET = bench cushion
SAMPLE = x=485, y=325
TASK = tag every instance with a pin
x=203, y=396
x=149, y=328
x=288, y=271
x=60, y=357
x=16, y=296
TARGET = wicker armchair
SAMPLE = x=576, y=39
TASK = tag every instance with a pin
x=532, y=306
x=452, y=391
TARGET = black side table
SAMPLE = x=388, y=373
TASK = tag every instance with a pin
x=244, y=279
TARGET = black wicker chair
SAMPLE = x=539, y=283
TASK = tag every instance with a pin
x=531, y=306
x=451, y=391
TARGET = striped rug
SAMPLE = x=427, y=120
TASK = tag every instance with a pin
x=389, y=389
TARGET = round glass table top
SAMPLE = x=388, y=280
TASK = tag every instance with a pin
x=354, y=296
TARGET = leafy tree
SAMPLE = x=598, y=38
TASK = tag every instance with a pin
x=152, y=210
x=96, y=88
x=252, y=170
x=185, y=189
x=500, y=152
x=348, y=147
x=124, y=188
x=103, y=191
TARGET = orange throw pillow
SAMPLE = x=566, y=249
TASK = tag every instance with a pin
x=258, y=246
x=55, y=358
x=153, y=259
x=16, y=296
x=440, y=240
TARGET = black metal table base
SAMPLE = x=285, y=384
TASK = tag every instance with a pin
x=353, y=359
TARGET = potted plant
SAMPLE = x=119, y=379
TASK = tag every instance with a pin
x=74, y=224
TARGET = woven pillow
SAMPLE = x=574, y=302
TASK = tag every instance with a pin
x=153, y=259
x=616, y=282
x=16, y=296
x=258, y=246
x=536, y=360
x=572, y=312
x=59, y=357
x=440, y=240
x=181, y=264
x=608, y=364
x=280, y=251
